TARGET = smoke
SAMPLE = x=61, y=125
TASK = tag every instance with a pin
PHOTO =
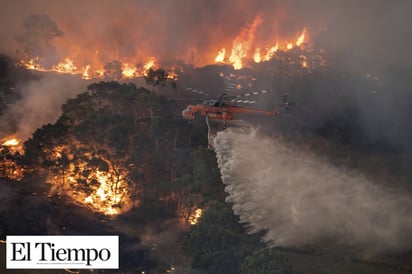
x=40, y=103
x=111, y=30
x=36, y=38
x=299, y=199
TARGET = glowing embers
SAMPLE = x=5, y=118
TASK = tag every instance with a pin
x=10, y=151
x=13, y=143
x=195, y=216
x=188, y=212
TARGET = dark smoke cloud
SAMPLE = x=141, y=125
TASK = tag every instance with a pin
x=300, y=199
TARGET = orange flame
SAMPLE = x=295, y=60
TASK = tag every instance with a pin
x=11, y=142
x=271, y=52
x=85, y=74
x=243, y=43
x=195, y=216
x=66, y=66
x=301, y=38
x=9, y=168
x=220, y=58
x=128, y=71
x=105, y=199
x=150, y=63
x=245, y=47
x=257, y=56
x=107, y=191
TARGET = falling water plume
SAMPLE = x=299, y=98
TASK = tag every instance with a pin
x=298, y=199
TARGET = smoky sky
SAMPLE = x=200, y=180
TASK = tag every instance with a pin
x=370, y=36
x=377, y=31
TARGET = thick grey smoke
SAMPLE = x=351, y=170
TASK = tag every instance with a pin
x=300, y=199
x=40, y=103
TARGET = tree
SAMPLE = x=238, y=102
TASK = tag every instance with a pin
x=266, y=260
x=113, y=143
x=218, y=243
x=158, y=77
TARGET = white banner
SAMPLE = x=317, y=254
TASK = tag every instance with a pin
x=61, y=252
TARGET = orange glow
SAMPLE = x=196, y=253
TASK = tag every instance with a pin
x=257, y=57
x=220, y=58
x=243, y=43
x=247, y=45
x=301, y=38
x=195, y=216
x=9, y=168
x=31, y=64
x=101, y=191
x=66, y=66
x=304, y=61
x=172, y=75
x=271, y=52
x=85, y=74
x=105, y=199
x=150, y=63
x=128, y=71
x=11, y=142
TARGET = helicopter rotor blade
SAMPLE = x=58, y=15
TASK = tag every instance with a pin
x=237, y=97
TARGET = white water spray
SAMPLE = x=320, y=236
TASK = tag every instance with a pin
x=299, y=199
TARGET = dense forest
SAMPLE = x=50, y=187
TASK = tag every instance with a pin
x=121, y=160
x=158, y=172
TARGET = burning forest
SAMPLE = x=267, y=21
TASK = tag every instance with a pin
x=93, y=142
x=92, y=64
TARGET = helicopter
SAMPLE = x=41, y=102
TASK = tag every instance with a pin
x=224, y=108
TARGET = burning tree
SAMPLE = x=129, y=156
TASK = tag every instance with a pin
x=99, y=151
x=10, y=167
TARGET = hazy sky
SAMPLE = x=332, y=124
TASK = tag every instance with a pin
x=368, y=36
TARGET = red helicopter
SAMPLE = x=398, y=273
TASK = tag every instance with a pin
x=225, y=107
